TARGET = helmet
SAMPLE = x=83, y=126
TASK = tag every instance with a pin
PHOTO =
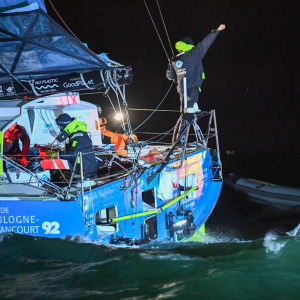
x=63, y=120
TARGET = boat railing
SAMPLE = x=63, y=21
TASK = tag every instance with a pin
x=205, y=135
x=19, y=167
x=61, y=193
x=48, y=158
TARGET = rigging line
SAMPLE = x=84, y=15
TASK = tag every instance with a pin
x=64, y=22
x=163, y=21
x=157, y=141
x=155, y=108
x=112, y=84
x=125, y=107
x=165, y=144
x=84, y=82
x=162, y=137
x=120, y=109
x=164, y=134
x=7, y=5
x=147, y=132
x=126, y=111
x=102, y=58
x=156, y=30
x=111, y=103
x=158, y=110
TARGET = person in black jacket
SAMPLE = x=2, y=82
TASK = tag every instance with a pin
x=188, y=63
x=74, y=132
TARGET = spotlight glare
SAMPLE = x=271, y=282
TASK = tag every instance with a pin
x=118, y=116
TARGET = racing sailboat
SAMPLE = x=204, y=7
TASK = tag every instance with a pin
x=153, y=193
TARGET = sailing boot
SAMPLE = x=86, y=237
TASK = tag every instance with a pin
x=196, y=108
x=190, y=110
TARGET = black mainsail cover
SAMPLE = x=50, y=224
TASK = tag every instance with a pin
x=37, y=56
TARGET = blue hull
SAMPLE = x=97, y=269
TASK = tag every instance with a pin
x=105, y=205
x=51, y=218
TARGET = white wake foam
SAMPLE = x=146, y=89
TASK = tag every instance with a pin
x=294, y=232
x=272, y=244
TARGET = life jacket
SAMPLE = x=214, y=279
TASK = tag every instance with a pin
x=75, y=126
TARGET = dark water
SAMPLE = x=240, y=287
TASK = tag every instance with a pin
x=266, y=268
x=245, y=256
x=250, y=252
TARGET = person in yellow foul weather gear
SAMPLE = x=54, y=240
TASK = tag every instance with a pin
x=74, y=132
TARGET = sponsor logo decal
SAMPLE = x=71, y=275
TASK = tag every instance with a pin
x=179, y=64
x=26, y=224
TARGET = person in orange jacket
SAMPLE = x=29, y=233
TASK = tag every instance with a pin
x=109, y=137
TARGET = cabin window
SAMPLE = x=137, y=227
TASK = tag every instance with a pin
x=185, y=184
x=148, y=198
x=103, y=221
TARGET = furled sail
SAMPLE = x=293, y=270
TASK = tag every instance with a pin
x=37, y=56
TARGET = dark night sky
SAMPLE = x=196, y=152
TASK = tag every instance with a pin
x=251, y=69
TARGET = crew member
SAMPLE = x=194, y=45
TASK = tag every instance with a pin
x=74, y=132
x=188, y=63
x=109, y=137
x=11, y=145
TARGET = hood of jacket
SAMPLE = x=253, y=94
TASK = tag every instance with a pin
x=182, y=46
